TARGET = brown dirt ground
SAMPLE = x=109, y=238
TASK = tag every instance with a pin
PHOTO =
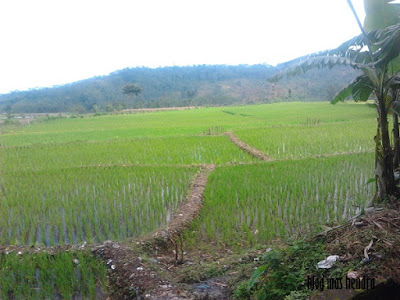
x=242, y=145
x=380, y=227
x=381, y=261
x=143, y=110
x=185, y=214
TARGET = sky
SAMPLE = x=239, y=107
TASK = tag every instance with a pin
x=52, y=42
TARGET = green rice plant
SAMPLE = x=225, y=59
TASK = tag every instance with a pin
x=214, y=130
x=73, y=205
x=249, y=205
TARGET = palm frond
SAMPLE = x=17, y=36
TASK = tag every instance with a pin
x=396, y=107
x=394, y=81
x=388, y=44
x=314, y=63
x=343, y=94
x=362, y=88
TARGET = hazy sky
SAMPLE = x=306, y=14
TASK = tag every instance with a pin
x=49, y=42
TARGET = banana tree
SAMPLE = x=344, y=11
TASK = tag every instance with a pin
x=381, y=14
x=374, y=79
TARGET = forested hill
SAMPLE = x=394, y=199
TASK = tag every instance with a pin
x=179, y=86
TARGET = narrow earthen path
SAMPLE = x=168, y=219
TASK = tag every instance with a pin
x=184, y=215
x=245, y=147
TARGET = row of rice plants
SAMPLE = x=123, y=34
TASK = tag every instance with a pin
x=304, y=141
x=88, y=204
x=110, y=127
x=161, y=151
x=296, y=113
x=250, y=204
x=64, y=275
x=175, y=123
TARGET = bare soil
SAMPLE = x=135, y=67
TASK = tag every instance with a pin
x=381, y=228
x=143, y=110
x=371, y=244
x=166, y=237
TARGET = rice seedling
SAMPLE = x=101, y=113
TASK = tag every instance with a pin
x=43, y=276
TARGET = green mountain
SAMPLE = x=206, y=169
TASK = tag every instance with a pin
x=202, y=85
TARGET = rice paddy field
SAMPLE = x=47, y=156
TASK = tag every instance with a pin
x=68, y=181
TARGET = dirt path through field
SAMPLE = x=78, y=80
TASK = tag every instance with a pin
x=184, y=215
x=144, y=110
x=245, y=147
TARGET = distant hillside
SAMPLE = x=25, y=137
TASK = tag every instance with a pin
x=179, y=86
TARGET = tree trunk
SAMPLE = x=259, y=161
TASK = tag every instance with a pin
x=384, y=161
x=396, y=141
x=396, y=135
x=378, y=155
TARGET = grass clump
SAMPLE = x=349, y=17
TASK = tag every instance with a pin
x=283, y=274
